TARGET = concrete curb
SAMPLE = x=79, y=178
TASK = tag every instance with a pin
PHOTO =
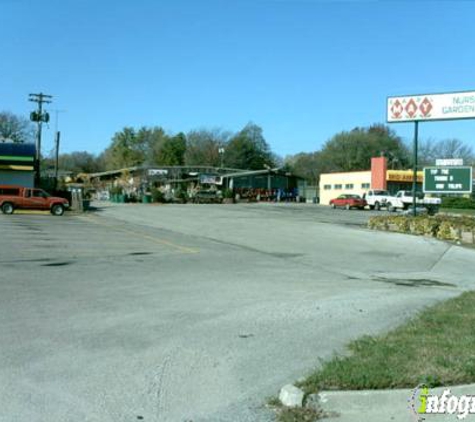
x=384, y=405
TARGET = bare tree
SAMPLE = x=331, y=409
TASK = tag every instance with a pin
x=203, y=147
x=15, y=128
x=430, y=150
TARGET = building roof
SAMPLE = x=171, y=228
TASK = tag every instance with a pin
x=244, y=173
x=17, y=157
x=185, y=169
x=16, y=149
x=111, y=172
x=345, y=172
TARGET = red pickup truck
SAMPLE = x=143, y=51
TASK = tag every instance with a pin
x=18, y=197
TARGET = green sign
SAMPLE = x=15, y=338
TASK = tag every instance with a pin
x=448, y=180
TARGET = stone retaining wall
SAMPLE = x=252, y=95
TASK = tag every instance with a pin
x=461, y=229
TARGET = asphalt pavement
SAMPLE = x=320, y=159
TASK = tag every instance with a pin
x=196, y=312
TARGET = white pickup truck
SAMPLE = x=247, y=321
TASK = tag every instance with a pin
x=377, y=198
x=403, y=200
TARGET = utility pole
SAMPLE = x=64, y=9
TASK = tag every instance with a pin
x=40, y=117
x=56, y=159
x=57, y=136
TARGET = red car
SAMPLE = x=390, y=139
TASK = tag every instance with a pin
x=348, y=201
x=18, y=197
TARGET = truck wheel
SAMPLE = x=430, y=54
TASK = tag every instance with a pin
x=7, y=208
x=390, y=207
x=57, y=210
x=333, y=206
x=348, y=207
x=377, y=206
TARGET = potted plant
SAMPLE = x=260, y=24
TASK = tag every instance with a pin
x=117, y=194
x=228, y=196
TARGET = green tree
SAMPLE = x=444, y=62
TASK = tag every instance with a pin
x=151, y=141
x=126, y=150
x=306, y=165
x=172, y=153
x=15, y=128
x=352, y=151
x=249, y=150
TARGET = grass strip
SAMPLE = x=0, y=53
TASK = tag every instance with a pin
x=436, y=347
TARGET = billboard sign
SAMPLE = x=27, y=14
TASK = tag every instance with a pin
x=403, y=176
x=210, y=179
x=157, y=172
x=448, y=180
x=426, y=107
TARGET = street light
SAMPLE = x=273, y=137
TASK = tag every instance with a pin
x=221, y=153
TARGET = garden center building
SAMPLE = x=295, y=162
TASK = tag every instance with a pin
x=359, y=182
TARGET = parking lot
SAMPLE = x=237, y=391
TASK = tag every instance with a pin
x=196, y=312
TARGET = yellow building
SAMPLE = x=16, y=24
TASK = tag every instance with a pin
x=359, y=182
x=334, y=184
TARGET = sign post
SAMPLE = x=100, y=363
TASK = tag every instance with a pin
x=414, y=180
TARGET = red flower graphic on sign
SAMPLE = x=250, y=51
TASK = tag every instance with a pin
x=425, y=107
x=397, y=109
x=411, y=108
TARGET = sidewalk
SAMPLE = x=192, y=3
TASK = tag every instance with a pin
x=386, y=405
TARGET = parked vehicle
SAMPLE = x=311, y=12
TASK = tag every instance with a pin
x=377, y=198
x=18, y=197
x=348, y=201
x=207, y=197
x=404, y=199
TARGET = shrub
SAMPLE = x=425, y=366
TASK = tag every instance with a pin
x=157, y=195
x=458, y=202
x=116, y=190
x=181, y=195
x=440, y=226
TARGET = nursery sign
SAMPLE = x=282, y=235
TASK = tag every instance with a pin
x=448, y=180
x=449, y=106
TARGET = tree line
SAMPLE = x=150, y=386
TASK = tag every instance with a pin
x=353, y=150
x=245, y=149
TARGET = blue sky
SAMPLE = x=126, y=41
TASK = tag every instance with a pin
x=303, y=70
